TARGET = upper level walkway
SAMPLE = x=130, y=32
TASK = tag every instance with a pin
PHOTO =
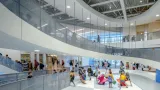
x=15, y=28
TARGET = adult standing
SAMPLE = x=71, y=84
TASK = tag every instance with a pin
x=122, y=64
x=36, y=64
x=41, y=66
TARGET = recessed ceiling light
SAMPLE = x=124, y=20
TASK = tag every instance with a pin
x=66, y=27
x=68, y=6
x=157, y=15
x=88, y=18
x=110, y=7
x=141, y=1
x=105, y=23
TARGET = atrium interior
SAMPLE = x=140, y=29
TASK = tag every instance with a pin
x=79, y=44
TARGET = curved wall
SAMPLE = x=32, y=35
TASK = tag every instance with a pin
x=16, y=27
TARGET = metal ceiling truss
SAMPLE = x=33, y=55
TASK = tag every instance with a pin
x=119, y=8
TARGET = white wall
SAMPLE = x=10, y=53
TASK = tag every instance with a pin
x=6, y=70
x=10, y=24
x=85, y=61
x=129, y=30
x=13, y=54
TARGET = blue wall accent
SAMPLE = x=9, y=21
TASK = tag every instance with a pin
x=158, y=76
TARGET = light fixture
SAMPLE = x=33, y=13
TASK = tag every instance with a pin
x=43, y=25
x=88, y=18
x=79, y=30
x=68, y=6
x=66, y=27
x=157, y=15
x=36, y=50
x=131, y=24
x=106, y=24
x=141, y=1
x=110, y=7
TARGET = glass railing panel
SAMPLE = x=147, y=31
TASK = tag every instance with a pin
x=56, y=81
x=32, y=12
x=12, y=6
x=30, y=17
x=10, y=63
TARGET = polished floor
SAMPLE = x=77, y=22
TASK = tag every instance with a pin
x=138, y=83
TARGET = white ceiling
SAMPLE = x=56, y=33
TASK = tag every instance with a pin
x=146, y=17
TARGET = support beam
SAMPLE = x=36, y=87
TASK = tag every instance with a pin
x=129, y=15
x=103, y=3
x=141, y=5
x=129, y=7
x=57, y=14
x=67, y=19
x=123, y=9
x=112, y=11
x=45, y=5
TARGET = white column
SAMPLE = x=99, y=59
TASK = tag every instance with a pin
x=37, y=56
x=44, y=59
x=32, y=57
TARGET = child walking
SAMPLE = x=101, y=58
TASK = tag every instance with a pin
x=72, y=77
x=89, y=72
x=123, y=79
x=110, y=79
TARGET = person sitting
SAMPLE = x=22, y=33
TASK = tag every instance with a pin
x=29, y=74
x=101, y=79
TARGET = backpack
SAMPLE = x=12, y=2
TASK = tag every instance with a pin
x=102, y=63
x=109, y=64
x=89, y=70
x=109, y=79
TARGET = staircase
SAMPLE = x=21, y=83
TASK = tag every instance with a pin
x=10, y=63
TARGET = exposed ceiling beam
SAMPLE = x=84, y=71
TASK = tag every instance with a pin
x=130, y=15
x=103, y=3
x=67, y=19
x=123, y=9
x=141, y=5
x=112, y=11
x=129, y=7
x=45, y=5
x=57, y=14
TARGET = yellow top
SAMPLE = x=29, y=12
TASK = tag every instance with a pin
x=122, y=77
x=71, y=74
x=111, y=75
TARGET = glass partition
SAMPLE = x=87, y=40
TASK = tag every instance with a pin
x=54, y=20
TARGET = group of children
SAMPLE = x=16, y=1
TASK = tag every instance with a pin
x=101, y=78
x=108, y=77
